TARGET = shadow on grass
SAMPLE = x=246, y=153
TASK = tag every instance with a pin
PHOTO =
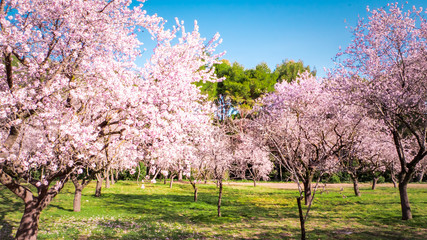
x=175, y=216
x=8, y=204
x=60, y=207
x=358, y=234
x=181, y=208
x=164, y=214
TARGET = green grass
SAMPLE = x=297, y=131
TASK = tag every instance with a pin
x=126, y=211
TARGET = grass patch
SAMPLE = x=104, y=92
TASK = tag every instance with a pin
x=125, y=211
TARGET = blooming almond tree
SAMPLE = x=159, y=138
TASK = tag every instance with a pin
x=251, y=159
x=220, y=158
x=363, y=144
x=49, y=48
x=68, y=82
x=384, y=70
x=298, y=122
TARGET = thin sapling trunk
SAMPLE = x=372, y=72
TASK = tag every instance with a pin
x=303, y=219
x=171, y=181
x=193, y=183
x=219, y=197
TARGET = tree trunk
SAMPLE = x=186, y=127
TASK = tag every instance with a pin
x=193, y=183
x=98, y=186
x=77, y=203
x=139, y=173
x=180, y=175
x=404, y=200
x=107, y=179
x=254, y=182
x=374, y=182
x=307, y=191
x=79, y=185
x=301, y=218
x=195, y=193
x=407, y=171
x=112, y=178
x=421, y=176
x=355, y=185
x=393, y=179
x=78, y=188
x=28, y=228
x=219, y=198
x=171, y=182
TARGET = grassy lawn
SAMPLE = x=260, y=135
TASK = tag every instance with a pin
x=125, y=211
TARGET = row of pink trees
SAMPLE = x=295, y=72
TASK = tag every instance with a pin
x=375, y=98
x=72, y=100
x=384, y=71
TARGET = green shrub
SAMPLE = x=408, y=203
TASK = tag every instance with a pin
x=381, y=179
x=334, y=179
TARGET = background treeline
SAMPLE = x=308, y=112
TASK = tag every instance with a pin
x=241, y=87
x=238, y=92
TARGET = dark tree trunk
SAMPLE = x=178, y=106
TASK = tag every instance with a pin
x=307, y=190
x=98, y=186
x=28, y=228
x=219, y=198
x=355, y=185
x=404, y=201
x=374, y=182
x=193, y=183
x=254, y=182
x=301, y=218
x=407, y=171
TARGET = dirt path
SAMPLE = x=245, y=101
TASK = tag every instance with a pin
x=329, y=185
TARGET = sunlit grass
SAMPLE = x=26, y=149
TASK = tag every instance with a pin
x=126, y=211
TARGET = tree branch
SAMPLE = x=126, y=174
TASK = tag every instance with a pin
x=22, y=192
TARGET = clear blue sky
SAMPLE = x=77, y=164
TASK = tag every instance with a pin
x=270, y=31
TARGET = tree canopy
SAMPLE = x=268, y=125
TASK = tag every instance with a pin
x=240, y=87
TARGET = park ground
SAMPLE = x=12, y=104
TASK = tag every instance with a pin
x=268, y=211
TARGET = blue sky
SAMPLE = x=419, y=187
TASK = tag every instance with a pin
x=272, y=30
